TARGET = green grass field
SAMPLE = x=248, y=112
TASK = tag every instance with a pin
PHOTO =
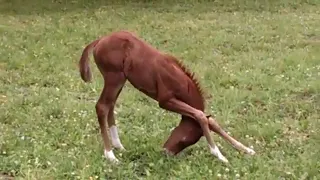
x=260, y=60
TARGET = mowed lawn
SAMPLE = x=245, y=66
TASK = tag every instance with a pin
x=259, y=61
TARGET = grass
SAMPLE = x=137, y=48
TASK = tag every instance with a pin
x=259, y=60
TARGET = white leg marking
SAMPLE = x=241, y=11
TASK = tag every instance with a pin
x=115, y=138
x=246, y=149
x=110, y=156
x=215, y=151
x=250, y=151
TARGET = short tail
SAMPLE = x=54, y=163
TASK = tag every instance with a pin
x=85, y=71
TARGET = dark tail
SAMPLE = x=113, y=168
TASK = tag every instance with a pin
x=85, y=71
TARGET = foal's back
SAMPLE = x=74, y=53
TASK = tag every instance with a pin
x=154, y=73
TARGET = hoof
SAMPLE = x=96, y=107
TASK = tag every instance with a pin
x=111, y=157
x=120, y=147
x=251, y=151
x=216, y=152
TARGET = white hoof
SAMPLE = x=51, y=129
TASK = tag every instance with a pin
x=250, y=151
x=110, y=156
x=215, y=151
x=223, y=159
x=118, y=146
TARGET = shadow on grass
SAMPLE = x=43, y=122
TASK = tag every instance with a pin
x=45, y=7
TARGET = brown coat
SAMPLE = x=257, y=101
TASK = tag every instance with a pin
x=123, y=56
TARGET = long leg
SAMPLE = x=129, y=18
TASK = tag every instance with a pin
x=180, y=107
x=214, y=126
x=112, y=124
x=113, y=81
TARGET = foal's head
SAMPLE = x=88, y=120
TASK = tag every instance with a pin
x=187, y=133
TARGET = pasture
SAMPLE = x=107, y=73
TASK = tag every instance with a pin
x=259, y=60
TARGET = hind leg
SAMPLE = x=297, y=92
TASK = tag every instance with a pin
x=115, y=140
x=113, y=82
x=180, y=107
x=214, y=126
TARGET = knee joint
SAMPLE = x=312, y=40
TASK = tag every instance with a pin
x=102, y=107
x=201, y=117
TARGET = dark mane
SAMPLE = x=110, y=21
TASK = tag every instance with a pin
x=190, y=74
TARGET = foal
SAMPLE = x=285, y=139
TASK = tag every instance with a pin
x=123, y=56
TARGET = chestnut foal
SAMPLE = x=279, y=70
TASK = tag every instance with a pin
x=123, y=56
